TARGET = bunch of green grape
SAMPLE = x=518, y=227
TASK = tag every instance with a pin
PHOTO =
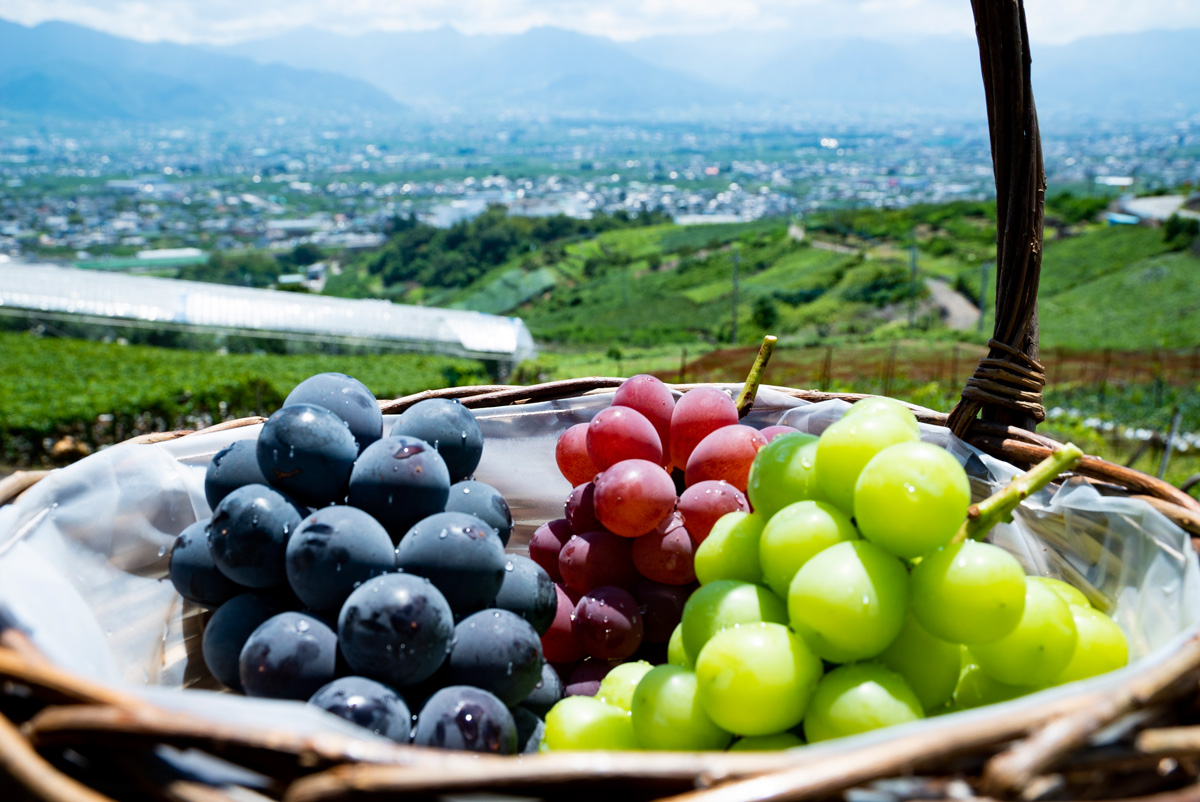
x=844, y=603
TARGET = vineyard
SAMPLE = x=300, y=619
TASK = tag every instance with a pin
x=63, y=398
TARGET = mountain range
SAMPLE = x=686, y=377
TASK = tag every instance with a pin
x=65, y=69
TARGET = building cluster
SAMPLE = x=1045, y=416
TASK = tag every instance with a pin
x=111, y=192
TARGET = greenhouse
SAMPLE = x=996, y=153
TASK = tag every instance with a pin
x=190, y=305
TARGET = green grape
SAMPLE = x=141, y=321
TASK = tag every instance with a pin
x=848, y=445
x=976, y=689
x=795, y=534
x=676, y=654
x=618, y=685
x=1072, y=595
x=849, y=601
x=858, y=698
x=968, y=592
x=667, y=713
x=726, y=603
x=756, y=679
x=731, y=549
x=929, y=665
x=783, y=472
x=776, y=742
x=880, y=405
x=1101, y=646
x=911, y=498
x=1040, y=647
x=584, y=722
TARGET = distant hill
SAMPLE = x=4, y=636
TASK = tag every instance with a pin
x=67, y=70
x=553, y=69
x=547, y=69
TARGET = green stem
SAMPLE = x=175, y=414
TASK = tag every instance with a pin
x=998, y=507
x=745, y=399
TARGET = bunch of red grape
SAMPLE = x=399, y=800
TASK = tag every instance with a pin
x=622, y=556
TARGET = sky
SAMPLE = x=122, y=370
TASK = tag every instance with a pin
x=228, y=21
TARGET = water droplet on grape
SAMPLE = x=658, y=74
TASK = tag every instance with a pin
x=302, y=626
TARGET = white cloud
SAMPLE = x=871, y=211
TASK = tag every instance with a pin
x=222, y=21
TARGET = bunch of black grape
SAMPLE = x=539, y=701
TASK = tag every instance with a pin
x=367, y=573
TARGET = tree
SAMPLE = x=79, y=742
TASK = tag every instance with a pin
x=765, y=314
x=307, y=253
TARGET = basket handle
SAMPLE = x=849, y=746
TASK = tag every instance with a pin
x=1007, y=384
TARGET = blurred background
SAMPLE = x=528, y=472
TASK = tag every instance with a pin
x=436, y=193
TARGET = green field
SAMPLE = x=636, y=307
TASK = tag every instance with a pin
x=659, y=298
x=56, y=387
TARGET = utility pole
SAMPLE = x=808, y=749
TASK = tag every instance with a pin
x=983, y=287
x=733, y=327
x=912, y=301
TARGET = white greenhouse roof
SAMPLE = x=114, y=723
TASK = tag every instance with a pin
x=172, y=302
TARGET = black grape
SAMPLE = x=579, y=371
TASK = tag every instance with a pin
x=466, y=718
x=498, y=651
x=484, y=502
x=289, y=656
x=530, y=729
x=546, y=693
x=332, y=552
x=396, y=628
x=346, y=397
x=368, y=704
x=234, y=466
x=230, y=626
x=528, y=591
x=307, y=452
x=449, y=427
x=249, y=533
x=193, y=572
x=460, y=554
x=399, y=481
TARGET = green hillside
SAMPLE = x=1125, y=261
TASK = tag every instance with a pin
x=1151, y=302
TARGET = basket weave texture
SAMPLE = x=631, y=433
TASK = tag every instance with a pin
x=65, y=739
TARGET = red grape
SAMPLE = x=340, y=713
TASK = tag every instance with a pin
x=633, y=496
x=546, y=543
x=570, y=452
x=704, y=502
x=665, y=555
x=581, y=508
x=592, y=559
x=620, y=433
x=771, y=432
x=649, y=396
x=559, y=644
x=661, y=606
x=585, y=678
x=608, y=623
x=697, y=413
x=726, y=453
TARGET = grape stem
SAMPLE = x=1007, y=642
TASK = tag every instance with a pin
x=745, y=399
x=998, y=507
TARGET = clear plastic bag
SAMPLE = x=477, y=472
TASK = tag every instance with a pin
x=83, y=554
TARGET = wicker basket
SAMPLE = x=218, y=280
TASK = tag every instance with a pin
x=63, y=738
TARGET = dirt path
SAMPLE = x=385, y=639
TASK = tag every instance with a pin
x=960, y=314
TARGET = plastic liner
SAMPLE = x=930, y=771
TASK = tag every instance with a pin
x=83, y=555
